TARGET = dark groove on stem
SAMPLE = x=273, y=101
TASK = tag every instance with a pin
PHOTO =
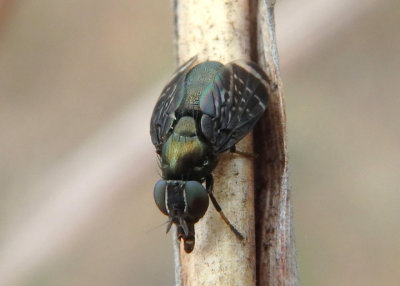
x=270, y=166
x=253, y=30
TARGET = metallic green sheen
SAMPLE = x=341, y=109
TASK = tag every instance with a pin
x=198, y=82
x=184, y=154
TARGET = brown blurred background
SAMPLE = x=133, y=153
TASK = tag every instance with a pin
x=77, y=83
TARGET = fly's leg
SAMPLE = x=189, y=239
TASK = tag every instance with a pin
x=246, y=154
x=209, y=188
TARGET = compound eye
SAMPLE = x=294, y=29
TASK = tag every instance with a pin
x=196, y=199
x=159, y=195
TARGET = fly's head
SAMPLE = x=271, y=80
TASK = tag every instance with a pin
x=184, y=202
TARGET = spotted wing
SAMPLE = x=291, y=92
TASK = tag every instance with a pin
x=233, y=104
x=171, y=97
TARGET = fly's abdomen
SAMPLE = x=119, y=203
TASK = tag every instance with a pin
x=198, y=81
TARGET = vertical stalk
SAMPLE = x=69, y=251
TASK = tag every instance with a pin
x=219, y=30
x=225, y=31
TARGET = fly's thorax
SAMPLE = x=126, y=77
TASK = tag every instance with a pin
x=186, y=126
x=184, y=154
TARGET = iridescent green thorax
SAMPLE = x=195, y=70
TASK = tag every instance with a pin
x=184, y=155
x=197, y=82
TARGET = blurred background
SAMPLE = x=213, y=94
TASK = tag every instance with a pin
x=78, y=80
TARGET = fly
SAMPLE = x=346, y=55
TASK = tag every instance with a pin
x=204, y=110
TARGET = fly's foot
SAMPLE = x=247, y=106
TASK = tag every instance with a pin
x=245, y=154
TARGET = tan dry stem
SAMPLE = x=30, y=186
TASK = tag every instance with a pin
x=226, y=31
x=219, y=30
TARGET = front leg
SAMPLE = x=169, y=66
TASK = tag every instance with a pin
x=209, y=188
x=245, y=154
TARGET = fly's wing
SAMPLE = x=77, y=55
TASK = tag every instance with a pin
x=171, y=97
x=233, y=103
